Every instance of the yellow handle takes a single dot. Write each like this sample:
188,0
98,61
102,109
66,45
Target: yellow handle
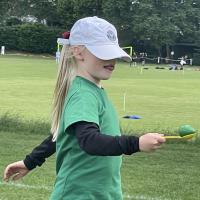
172,137
187,137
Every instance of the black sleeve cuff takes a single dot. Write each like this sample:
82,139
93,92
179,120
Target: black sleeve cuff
129,144
29,163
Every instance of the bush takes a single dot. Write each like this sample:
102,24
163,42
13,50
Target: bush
8,37
13,123
13,21
35,38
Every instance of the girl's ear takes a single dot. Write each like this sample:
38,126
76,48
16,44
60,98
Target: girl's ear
77,52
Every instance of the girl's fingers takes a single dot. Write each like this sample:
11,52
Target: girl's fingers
17,177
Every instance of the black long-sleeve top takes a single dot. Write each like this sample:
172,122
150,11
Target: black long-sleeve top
90,140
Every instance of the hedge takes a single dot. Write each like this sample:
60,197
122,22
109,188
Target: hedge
34,38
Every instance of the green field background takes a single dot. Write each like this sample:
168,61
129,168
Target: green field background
164,99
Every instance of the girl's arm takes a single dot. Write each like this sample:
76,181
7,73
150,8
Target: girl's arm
36,158
95,143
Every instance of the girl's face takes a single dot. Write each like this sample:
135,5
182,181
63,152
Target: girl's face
93,68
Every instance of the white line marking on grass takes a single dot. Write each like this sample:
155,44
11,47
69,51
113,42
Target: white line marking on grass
20,185
126,196
142,197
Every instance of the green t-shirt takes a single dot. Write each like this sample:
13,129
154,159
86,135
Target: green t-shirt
81,176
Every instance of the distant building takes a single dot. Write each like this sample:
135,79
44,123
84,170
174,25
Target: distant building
32,19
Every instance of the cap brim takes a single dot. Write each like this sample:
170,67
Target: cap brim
108,52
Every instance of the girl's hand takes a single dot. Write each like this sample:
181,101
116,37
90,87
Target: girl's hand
151,141
15,171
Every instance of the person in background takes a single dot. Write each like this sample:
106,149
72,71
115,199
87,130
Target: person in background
133,60
57,57
182,63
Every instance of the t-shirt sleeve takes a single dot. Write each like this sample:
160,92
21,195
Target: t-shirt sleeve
81,106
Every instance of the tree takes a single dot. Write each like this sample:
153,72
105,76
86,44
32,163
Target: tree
156,23
72,10
10,8
45,10
42,10
120,13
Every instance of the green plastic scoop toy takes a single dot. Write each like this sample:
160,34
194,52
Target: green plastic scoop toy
185,132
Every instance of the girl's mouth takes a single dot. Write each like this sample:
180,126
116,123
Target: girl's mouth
109,67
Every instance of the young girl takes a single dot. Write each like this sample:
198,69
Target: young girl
85,125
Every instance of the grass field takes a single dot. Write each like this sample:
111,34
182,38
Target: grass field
164,99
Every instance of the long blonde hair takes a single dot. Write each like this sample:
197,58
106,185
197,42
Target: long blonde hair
66,74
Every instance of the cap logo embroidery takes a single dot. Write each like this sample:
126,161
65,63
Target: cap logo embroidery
111,36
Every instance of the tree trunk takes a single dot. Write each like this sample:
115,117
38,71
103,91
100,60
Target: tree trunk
167,53
159,52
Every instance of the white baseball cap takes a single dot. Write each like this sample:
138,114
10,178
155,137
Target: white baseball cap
99,37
